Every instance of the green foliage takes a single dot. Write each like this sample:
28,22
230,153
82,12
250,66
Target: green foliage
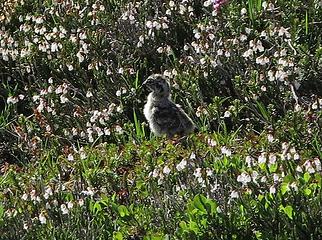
77,159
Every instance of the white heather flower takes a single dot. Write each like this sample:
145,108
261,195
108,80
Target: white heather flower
118,129
243,11
24,196
63,99
70,67
249,161
165,25
281,75
248,53
121,70
317,164
149,24
21,96
243,178
272,158
166,170
54,47
296,157
88,192
227,114
226,151
182,165
80,57
119,109
207,3
243,37
197,35
259,46
248,30
107,131
234,194
283,52
270,138
157,25
285,146
70,205
81,202
160,49
42,218
82,154
262,158
272,190
55,203
262,60
282,62
64,209
12,100
197,173
118,93
294,186
193,156
70,157
264,5
33,195
155,173
263,179
271,75
209,172
220,52
182,9
211,142
48,192
25,226
276,178
254,176
58,90
283,32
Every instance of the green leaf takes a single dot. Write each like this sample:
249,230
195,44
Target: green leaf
260,197
307,191
289,211
193,226
197,203
117,236
284,188
306,22
1,211
183,225
273,168
95,207
123,211
306,177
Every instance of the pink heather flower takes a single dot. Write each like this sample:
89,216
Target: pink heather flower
219,3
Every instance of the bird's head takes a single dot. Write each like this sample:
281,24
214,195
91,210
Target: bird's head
158,85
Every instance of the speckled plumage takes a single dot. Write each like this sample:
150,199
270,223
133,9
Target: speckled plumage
163,115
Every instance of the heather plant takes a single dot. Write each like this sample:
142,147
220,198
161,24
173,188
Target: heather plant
77,159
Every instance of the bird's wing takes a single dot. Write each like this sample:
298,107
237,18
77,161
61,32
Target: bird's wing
168,116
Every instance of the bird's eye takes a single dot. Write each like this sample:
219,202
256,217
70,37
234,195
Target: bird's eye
160,87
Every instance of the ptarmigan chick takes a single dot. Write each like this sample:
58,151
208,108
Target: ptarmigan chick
163,115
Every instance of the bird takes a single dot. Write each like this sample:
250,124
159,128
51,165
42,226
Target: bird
163,115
